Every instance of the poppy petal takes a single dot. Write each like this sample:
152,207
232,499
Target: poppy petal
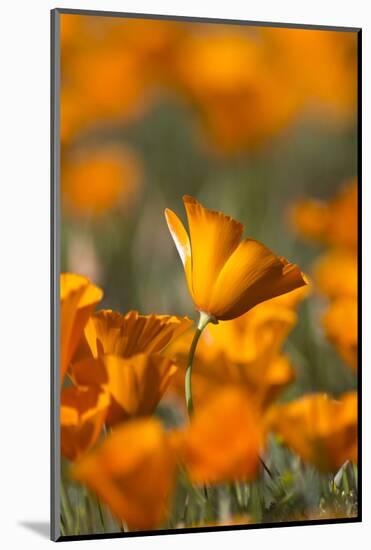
252,275
214,237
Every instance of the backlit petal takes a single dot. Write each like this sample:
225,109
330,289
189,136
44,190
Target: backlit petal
78,300
83,413
109,332
181,240
214,237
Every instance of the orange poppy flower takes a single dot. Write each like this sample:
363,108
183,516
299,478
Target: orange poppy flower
318,65
226,276
263,377
323,431
83,413
256,336
78,300
336,273
135,384
236,90
340,322
243,352
97,180
262,381
109,332
334,222
133,473
223,440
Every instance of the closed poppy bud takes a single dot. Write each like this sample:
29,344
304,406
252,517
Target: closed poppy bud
321,430
227,276
83,413
223,440
78,300
133,473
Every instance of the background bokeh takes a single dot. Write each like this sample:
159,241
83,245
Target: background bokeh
247,119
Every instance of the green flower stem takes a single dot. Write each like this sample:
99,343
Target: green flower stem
203,321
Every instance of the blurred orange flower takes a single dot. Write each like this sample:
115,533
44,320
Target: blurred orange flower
321,66
322,430
135,385
334,222
114,79
97,180
78,300
223,440
101,84
336,273
243,352
241,98
83,413
133,473
226,276
340,322
109,332
262,380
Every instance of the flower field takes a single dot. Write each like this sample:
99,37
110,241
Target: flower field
208,294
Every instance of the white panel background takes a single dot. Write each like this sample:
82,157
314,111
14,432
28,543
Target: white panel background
24,268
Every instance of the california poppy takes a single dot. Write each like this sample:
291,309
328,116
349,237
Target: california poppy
78,300
95,180
226,74
223,440
244,352
333,222
226,276
110,332
340,322
135,384
318,66
133,473
322,430
83,413
336,273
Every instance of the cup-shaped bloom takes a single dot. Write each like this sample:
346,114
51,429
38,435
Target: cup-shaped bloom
223,440
262,380
78,300
244,352
109,332
83,413
227,276
133,473
340,322
256,336
135,384
321,430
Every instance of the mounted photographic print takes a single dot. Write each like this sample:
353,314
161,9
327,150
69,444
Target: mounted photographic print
205,273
